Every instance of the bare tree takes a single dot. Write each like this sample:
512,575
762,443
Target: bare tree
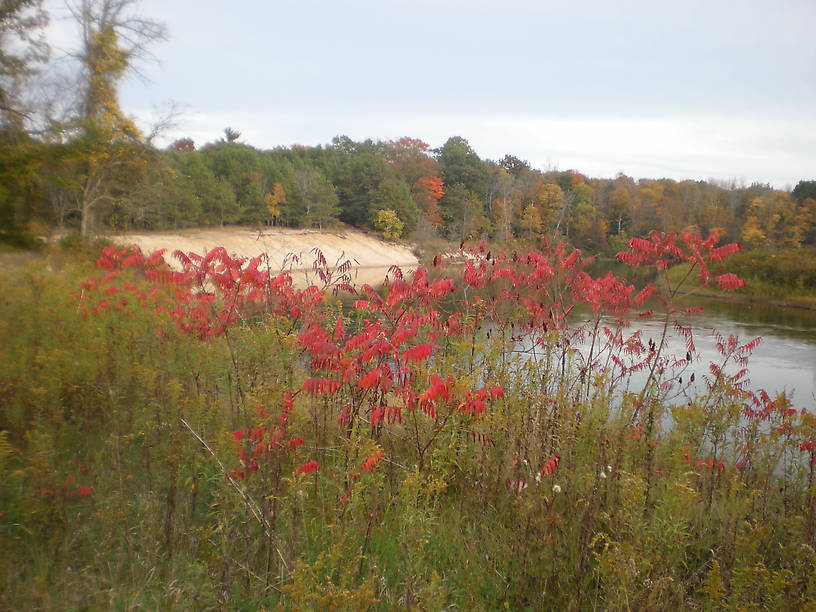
563,216
22,46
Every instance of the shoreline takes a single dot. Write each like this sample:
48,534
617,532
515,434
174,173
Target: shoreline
809,304
293,249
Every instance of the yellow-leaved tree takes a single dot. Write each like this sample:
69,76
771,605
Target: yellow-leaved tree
111,157
273,202
389,224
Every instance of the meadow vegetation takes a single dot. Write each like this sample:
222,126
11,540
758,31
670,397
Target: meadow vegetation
210,436
786,277
786,274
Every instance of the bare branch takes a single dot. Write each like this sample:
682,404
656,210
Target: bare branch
253,505
22,48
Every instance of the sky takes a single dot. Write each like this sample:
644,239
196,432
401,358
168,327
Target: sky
713,89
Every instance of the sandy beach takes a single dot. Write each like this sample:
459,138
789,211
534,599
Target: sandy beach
286,248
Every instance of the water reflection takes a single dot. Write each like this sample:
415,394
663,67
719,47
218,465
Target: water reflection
785,360
793,322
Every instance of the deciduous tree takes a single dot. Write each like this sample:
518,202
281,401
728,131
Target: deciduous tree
274,201
531,221
806,220
461,164
21,47
389,224
550,202
463,212
420,171
113,39
619,210
319,196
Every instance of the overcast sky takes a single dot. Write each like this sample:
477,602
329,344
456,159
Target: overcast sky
695,89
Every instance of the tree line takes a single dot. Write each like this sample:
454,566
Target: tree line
84,165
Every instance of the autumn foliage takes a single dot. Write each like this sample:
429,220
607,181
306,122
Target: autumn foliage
351,445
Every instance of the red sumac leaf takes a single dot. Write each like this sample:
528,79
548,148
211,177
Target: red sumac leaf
370,379
326,386
308,468
644,294
372,460
421,352
551,466
724,251
729,282
339,330
496,391
440,288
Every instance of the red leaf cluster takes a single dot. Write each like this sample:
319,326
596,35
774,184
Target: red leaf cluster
308,468
373,459
551,466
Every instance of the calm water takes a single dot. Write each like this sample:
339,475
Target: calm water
785,360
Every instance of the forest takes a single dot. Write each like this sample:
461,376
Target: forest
402,189
74,160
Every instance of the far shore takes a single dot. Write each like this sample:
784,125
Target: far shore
294,249
290,249
799,303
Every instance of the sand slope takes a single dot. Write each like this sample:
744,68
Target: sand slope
370,256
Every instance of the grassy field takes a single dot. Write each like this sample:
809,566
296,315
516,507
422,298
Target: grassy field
211,436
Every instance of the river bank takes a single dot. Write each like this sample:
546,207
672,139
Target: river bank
290,249
783,280
793,302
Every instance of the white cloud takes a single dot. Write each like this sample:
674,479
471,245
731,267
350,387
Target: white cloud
648,90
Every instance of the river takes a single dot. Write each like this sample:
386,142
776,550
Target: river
784,361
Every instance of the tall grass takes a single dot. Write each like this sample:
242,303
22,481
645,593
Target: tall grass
439,443
783,275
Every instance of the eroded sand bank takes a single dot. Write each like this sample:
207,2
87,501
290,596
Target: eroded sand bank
286,248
